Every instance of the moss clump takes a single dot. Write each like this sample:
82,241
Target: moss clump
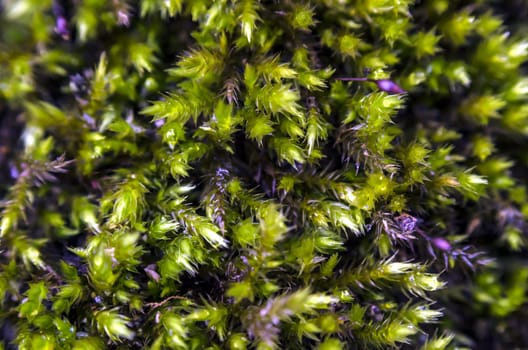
198,174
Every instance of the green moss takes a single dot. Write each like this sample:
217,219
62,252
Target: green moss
199,175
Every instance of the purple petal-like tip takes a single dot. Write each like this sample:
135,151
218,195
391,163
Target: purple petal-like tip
61,27
442,244
123,18
389,86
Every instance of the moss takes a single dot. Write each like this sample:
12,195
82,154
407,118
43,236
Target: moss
263,175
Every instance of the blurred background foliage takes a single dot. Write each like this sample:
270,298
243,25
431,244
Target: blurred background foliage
195,175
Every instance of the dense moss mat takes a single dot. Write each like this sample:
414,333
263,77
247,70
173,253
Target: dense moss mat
196,174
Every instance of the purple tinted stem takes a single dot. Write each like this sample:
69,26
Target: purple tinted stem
354,79
386,85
